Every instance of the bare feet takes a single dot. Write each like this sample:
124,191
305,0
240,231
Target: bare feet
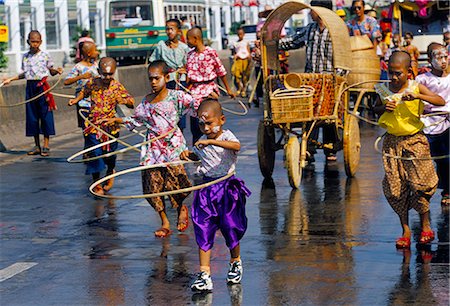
98,190
109,183
183,219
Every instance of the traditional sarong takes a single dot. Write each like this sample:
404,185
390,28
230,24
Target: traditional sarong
220,207
408,183
165,179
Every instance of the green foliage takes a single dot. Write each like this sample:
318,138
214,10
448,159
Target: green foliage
3,58
235,26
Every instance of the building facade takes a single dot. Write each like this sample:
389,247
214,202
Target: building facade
61,21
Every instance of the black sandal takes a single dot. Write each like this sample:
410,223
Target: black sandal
45,152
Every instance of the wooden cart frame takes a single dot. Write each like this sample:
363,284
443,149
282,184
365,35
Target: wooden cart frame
347,127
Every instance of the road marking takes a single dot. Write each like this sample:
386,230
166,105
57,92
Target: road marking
248,152
14,269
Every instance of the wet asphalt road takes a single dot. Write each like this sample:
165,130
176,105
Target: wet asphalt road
329,243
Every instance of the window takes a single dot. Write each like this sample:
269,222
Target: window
131,13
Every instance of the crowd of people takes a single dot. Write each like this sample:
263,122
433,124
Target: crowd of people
182,80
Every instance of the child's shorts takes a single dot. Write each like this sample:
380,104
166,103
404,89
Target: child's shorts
39,119
98,165
220,207
240,68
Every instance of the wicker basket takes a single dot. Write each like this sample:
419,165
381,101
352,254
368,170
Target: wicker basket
323,84
292,105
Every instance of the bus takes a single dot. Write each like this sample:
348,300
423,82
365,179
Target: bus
134,27
426,27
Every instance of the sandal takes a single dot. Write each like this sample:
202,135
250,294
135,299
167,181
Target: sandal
162,232
445,201
403,243
45,151
35,151
183,224
426,237
331,157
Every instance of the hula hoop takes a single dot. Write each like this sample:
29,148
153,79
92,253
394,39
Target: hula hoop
104,132
35,97
72,157
377,141
376,123
245,112
63,95
153,195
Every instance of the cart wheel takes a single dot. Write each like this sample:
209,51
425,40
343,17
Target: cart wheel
266,149
352,145
292,151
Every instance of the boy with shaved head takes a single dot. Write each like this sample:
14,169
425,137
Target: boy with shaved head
203,67
220,206
410,179
37,65
105,93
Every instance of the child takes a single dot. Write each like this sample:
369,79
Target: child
413,52
241,62
172,51
37,65
222,205
203,67
80,73
437,127
407,184
160,112
105,93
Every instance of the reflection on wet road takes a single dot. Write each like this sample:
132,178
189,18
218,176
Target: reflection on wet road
329,243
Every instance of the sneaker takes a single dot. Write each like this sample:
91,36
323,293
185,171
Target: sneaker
202,282
235,272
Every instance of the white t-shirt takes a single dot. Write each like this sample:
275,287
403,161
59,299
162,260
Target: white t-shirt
241,49
440,86
217,161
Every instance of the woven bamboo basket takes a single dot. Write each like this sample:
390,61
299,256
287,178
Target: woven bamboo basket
324,89
366,63
292,105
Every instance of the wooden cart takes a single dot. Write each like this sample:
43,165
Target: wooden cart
296,103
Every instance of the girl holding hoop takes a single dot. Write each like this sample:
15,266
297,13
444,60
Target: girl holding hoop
160,112
220,206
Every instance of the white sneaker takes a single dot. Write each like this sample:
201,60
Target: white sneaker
202,282
235,272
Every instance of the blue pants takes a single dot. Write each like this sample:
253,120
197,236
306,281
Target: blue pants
439,145
98,165
39,120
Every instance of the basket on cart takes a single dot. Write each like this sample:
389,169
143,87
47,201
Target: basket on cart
292,105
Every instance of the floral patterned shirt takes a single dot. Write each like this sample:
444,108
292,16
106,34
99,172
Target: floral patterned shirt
36,66
202,69
160,118
79,69
369,26
104,101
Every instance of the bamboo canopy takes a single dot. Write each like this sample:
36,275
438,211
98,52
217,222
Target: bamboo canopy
271,34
